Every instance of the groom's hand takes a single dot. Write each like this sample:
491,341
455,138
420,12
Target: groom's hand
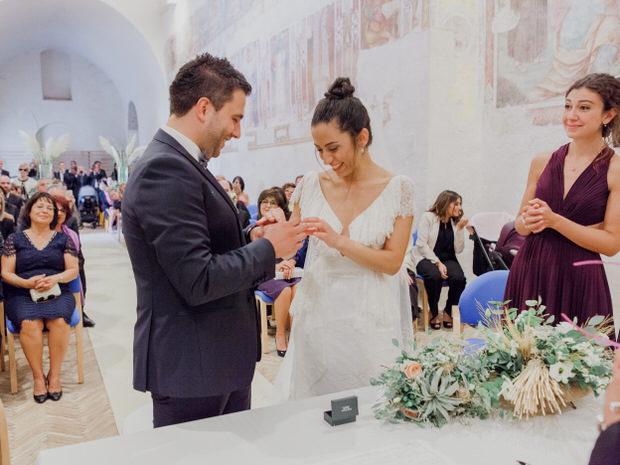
286,238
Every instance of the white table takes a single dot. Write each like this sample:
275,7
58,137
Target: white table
295,433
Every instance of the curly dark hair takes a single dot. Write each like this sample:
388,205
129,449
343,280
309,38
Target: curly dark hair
278,194
26,222
339,105
608,88
205,76
444,199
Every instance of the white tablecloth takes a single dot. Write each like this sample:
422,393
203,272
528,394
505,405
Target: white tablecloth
295,433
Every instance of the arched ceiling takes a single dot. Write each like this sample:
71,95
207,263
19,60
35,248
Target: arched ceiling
92,29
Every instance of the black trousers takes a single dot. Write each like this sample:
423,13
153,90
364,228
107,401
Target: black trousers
413,296
433,283
172,410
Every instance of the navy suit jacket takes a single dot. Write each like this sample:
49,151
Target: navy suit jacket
197,329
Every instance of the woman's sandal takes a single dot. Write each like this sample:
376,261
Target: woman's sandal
447,324
435,326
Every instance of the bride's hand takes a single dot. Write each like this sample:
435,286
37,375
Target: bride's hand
321,230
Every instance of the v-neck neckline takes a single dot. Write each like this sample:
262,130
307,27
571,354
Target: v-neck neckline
318,180
45,246
566,193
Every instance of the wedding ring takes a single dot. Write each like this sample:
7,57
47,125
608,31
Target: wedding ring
614,406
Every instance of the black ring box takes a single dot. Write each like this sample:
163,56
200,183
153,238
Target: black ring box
343,411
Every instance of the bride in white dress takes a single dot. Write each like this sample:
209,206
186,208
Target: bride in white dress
353,300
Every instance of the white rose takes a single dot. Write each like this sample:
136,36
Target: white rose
561,371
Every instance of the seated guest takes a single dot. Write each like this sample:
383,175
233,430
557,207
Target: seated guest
43,184
282,291
440,238
7,221
115,209
14,203
242,210
238,186
64,218
40,259
70,226
289,189
607,447
28,185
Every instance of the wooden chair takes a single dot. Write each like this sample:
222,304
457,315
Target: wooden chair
5,456
262,302
76,324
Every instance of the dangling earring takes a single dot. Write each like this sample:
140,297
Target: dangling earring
362,151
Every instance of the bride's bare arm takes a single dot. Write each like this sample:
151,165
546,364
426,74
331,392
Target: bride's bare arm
386,260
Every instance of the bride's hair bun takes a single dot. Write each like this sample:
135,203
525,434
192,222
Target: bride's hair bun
341,106
341,88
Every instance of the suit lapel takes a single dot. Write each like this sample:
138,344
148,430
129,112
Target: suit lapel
165,138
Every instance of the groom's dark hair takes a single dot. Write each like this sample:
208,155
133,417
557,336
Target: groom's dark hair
205,76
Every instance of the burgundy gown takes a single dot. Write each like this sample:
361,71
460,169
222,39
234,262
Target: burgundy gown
544,265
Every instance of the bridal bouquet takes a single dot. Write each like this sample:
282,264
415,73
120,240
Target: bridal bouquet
526,367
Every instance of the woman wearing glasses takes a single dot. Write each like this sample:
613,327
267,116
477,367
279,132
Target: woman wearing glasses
40,259
273,202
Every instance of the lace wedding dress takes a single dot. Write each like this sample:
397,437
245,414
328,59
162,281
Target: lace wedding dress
345,315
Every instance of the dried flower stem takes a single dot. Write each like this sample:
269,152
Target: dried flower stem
535,390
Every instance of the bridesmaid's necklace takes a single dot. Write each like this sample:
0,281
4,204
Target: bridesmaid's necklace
578,165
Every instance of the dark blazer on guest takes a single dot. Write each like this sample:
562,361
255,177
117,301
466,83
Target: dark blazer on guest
607,448
197,330
16,201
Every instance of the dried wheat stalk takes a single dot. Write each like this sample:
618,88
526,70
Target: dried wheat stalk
534,391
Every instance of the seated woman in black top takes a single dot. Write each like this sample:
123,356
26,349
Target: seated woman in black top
440,238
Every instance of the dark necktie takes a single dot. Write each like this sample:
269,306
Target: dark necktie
203,161
24,190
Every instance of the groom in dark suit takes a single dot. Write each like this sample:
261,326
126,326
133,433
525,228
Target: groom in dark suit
196,338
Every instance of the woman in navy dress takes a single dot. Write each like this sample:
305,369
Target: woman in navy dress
282,291
39,258
571,209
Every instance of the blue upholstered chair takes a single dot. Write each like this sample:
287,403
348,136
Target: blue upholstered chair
253,209
475,299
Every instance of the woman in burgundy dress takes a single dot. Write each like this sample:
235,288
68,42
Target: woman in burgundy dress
571,209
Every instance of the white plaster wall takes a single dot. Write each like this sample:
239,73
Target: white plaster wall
96,107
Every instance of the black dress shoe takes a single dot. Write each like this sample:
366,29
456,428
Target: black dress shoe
281,353
40,398
55,396
87,321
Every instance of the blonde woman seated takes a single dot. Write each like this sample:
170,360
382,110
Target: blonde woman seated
282,291
440,238
39,258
